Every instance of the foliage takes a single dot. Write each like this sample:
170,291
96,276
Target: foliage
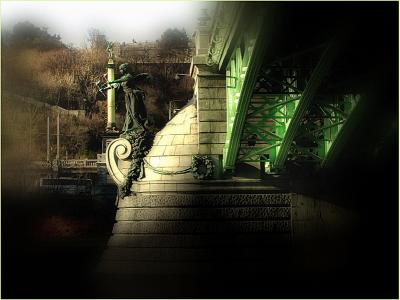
174,41
97,40
25,131
27,35
36,65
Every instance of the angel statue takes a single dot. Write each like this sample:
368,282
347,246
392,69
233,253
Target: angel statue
136,114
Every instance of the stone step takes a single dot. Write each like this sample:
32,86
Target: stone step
199,234
272,185
201,226
199,240
211,213
215,269
206,200
194,254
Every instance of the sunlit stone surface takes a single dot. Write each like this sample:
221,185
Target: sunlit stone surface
174,146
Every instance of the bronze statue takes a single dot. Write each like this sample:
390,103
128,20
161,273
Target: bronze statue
136,114
110,50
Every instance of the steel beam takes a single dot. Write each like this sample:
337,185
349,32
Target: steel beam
238,115
232,38
318,74
343,132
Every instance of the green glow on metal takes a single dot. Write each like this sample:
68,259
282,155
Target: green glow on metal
262,127
241,72
252,155
315,80
267,118
334,126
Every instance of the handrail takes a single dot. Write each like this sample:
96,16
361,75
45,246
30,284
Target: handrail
69,164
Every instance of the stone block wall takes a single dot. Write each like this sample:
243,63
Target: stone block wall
210,93
174,146
199,128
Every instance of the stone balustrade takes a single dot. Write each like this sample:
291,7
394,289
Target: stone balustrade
68,164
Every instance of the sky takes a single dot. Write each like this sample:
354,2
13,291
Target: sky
121,21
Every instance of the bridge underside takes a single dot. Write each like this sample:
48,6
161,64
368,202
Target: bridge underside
298,91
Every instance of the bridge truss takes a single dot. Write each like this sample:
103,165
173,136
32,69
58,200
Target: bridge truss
278,111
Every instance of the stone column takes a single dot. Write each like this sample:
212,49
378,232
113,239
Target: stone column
210,91
210,98
110,96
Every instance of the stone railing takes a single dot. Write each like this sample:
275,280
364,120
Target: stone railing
101,158
68,164
42,164
78,163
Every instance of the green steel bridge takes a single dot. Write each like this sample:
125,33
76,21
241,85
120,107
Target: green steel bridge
293,92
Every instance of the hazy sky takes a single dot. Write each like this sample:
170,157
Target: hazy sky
119,20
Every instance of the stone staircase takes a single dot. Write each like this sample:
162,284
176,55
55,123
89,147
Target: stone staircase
211,234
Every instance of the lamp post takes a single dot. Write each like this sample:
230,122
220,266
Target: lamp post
48,138
111,92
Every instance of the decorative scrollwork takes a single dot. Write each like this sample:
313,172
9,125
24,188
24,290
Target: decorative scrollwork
210,62
118,149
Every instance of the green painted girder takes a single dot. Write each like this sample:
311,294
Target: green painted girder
254,154
318,74
242,73
267,119
337,134
262,134
325,129
267,107
288,85
271,114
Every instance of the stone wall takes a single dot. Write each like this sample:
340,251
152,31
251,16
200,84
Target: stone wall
174,147
199,128
210,93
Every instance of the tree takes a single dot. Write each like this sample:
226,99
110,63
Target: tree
174,39
97,40
26,35
173,43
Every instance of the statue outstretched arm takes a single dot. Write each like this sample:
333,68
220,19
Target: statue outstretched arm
142,76
106,88
122,79
111,85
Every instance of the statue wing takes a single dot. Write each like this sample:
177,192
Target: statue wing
141,76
